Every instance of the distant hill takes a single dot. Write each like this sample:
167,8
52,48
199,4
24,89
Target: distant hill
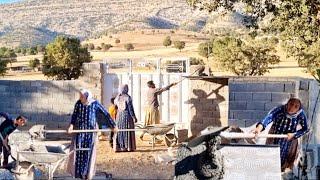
32,22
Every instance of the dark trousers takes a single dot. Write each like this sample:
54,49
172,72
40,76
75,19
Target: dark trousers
5,155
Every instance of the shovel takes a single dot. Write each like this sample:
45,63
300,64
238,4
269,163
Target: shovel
40,131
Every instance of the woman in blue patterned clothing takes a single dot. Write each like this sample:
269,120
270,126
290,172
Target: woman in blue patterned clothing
82,161
125,120
286,119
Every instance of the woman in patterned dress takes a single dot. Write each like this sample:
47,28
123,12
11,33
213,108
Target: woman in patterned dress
286,119
125,119
82,162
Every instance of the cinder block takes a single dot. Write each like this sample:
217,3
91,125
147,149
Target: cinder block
260,96
259,115
290,87
5,82
238,114
241,122
3,88
238,105
303,95
256,87
280,97
25,83
238,87
243,96
36,83
304,85
274,87
230,114
271,105
231,96
31,89
255,105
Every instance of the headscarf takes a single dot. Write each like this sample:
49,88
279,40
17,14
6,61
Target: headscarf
123,97
124,89
88,96
295,115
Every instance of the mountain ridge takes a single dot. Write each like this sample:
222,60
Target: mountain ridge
34,22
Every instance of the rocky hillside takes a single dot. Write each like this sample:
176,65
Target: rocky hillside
32,22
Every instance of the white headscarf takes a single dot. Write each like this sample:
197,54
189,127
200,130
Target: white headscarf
88,96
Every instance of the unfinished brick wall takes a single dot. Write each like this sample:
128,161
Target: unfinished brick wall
243,101
314,105
48,102
208,99
251,98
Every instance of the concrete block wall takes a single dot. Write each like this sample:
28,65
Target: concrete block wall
208,105
314,105
48,102
251,98
42,102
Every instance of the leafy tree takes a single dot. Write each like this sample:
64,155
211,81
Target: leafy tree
196,61
106,47
40,48
91,46
17,50
85,46
296,22
317,76
32,51
179,44
167,41
205,49
310,58
63,58
34,63
246,58
24,51
8,55
129,46
98,48
3,66
117,41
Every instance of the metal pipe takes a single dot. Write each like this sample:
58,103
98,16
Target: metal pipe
231,135
90,130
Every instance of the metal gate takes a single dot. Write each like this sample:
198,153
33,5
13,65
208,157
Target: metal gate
172,102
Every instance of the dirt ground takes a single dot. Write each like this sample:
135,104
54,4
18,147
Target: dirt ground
134,165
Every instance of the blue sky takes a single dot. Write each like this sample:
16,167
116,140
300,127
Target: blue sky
8,1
